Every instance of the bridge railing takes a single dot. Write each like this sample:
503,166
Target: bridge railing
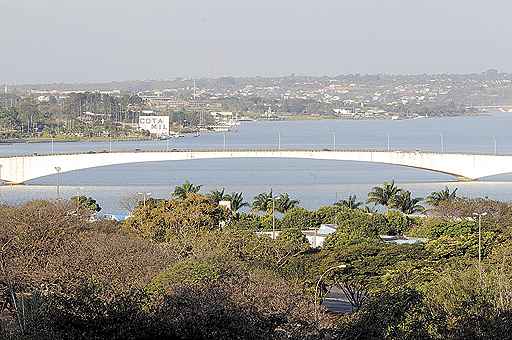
199,150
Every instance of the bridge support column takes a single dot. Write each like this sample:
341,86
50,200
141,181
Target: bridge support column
465,179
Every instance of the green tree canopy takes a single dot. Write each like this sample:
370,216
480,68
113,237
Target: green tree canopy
437,197
406,204
86,203
300,218
284,203
186,188
175,218
351,202
383,194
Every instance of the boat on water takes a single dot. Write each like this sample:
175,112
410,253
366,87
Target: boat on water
221,128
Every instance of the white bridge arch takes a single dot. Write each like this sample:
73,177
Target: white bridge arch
20,169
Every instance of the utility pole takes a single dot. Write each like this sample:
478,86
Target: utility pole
334,141
389,144
442,142
52,146
495,146
279,140
58,169
145,196
273,217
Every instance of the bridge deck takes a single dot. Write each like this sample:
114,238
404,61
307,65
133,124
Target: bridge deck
198,150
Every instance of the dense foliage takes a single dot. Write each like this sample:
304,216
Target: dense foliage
186,267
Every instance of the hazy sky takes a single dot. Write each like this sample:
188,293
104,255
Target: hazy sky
102,40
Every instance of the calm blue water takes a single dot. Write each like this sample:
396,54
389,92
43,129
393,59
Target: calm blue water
314,182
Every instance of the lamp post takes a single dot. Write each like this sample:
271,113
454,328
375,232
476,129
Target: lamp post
279,140
58,169
442,142
334,141
273,217
341,266
145,196
389,144
224,142
480,215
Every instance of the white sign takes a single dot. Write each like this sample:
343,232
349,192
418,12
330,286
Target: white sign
156,125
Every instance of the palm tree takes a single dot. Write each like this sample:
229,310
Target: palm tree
406,204
384,194
237,201
351,203
285,203
218,195
263,202
437,197
185,189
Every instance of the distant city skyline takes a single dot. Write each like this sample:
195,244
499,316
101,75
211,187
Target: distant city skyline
96,41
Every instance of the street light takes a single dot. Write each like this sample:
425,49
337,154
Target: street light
145,196
58,169
480,215
341,266
273,214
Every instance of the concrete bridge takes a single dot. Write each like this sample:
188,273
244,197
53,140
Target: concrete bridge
467,167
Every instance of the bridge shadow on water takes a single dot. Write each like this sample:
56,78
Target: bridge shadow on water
313,182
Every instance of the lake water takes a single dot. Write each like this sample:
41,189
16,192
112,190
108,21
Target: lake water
313,182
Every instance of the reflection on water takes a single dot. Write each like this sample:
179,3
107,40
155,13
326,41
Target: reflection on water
314,182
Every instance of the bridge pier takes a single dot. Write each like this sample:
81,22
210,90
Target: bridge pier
465,179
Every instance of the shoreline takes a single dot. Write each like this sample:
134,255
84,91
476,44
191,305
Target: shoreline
70,140
280,119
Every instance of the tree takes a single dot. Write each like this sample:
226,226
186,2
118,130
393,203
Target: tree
350,203
437,197
175,219
245,221
384,194
406,204
185,189
299,218
290,243
86,203
263,202
237,201
397,222
284,203
218,195
356,226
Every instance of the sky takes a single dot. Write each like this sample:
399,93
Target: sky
46,41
